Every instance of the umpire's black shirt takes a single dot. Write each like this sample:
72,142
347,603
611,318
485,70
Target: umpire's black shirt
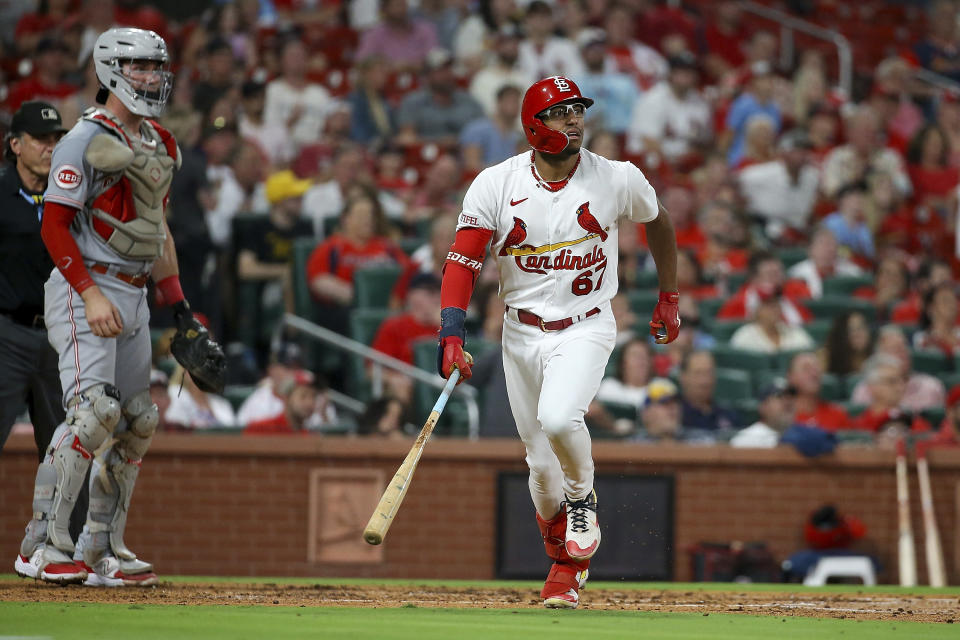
25,264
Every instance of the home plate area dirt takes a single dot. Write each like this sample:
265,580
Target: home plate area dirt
856,604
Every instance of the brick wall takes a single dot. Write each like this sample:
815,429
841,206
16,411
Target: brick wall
224,505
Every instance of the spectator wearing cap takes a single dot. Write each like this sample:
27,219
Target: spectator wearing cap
272,138
757,98
923,391
765,272
542,52
439,111
292,100
823,261
671,118
888,385
491,140
783,191
864,153
372,117
768,333
627,54
775,411
615,92
805,377
401,40
663,417
397,334
849,222
305,407
51,61
501,70
29,373
265,249
698,381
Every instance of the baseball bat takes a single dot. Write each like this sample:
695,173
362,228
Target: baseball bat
907,551
931,535
393,495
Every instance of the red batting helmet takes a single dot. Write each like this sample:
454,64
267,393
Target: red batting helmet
542,95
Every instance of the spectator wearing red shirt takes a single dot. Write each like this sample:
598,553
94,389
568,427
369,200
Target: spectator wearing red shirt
725,233
931,273
766,272
928,163
302,400
50,62
681,204
34,25
888,386
805,377
949,432
724,37
690,277
890,288
398,334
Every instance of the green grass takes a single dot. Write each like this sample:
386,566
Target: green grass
77,621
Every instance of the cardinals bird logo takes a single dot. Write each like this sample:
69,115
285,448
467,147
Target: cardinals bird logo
586,220
516,236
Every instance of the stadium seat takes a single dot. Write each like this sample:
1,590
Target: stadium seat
238,393
833,388
829,307
845,285
791,255
647,279
302,300
733,386
731,358
454,421
363,327
373,285
819,330
934,415
735,281
932,362
643,302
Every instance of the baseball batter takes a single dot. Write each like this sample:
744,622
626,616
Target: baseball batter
105,229
551,217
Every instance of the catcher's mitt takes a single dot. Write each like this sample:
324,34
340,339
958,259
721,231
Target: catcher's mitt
199,355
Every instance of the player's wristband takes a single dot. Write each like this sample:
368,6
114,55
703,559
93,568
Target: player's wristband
451,323
669,297
170,291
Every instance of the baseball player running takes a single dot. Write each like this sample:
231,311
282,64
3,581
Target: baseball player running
104,227
552,217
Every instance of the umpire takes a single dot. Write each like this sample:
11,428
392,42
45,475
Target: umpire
29,373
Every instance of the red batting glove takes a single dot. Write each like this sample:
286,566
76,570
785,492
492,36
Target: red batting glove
665,322
452,355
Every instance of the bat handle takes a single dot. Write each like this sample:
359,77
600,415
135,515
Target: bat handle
447,390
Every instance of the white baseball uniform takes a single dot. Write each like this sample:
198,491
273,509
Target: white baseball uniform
557,256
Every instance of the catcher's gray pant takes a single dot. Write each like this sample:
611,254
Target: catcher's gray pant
106,389
551,379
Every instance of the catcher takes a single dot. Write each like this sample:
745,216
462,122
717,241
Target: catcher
105,228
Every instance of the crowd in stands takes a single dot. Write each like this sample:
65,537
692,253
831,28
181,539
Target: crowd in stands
327,146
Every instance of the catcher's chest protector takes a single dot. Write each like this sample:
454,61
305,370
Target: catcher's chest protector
129,210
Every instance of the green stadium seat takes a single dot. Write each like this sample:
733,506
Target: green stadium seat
409,245
934,415
851,382
731,358
710,307
791,255
845,285
236,394
829,307
736,280
647,279
302,300
330,226
732,386
819,330
363,327
373,285
932,362
833,388
783,359
454,421
747,408
854,436
723,330
643,302
949,380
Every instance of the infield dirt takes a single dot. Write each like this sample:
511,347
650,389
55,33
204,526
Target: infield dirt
856,604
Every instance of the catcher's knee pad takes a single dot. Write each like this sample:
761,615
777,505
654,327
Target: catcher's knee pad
93,415
142,417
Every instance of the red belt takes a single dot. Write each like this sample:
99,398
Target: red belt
553,325
136,281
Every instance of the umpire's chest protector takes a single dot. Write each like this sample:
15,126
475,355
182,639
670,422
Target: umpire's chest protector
128,208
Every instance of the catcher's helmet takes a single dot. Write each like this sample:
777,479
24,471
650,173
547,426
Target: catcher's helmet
120,44
542,95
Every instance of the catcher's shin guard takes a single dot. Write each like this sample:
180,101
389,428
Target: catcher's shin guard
91,419
111,488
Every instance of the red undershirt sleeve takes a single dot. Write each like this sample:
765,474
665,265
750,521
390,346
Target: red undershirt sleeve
462,266
55,231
